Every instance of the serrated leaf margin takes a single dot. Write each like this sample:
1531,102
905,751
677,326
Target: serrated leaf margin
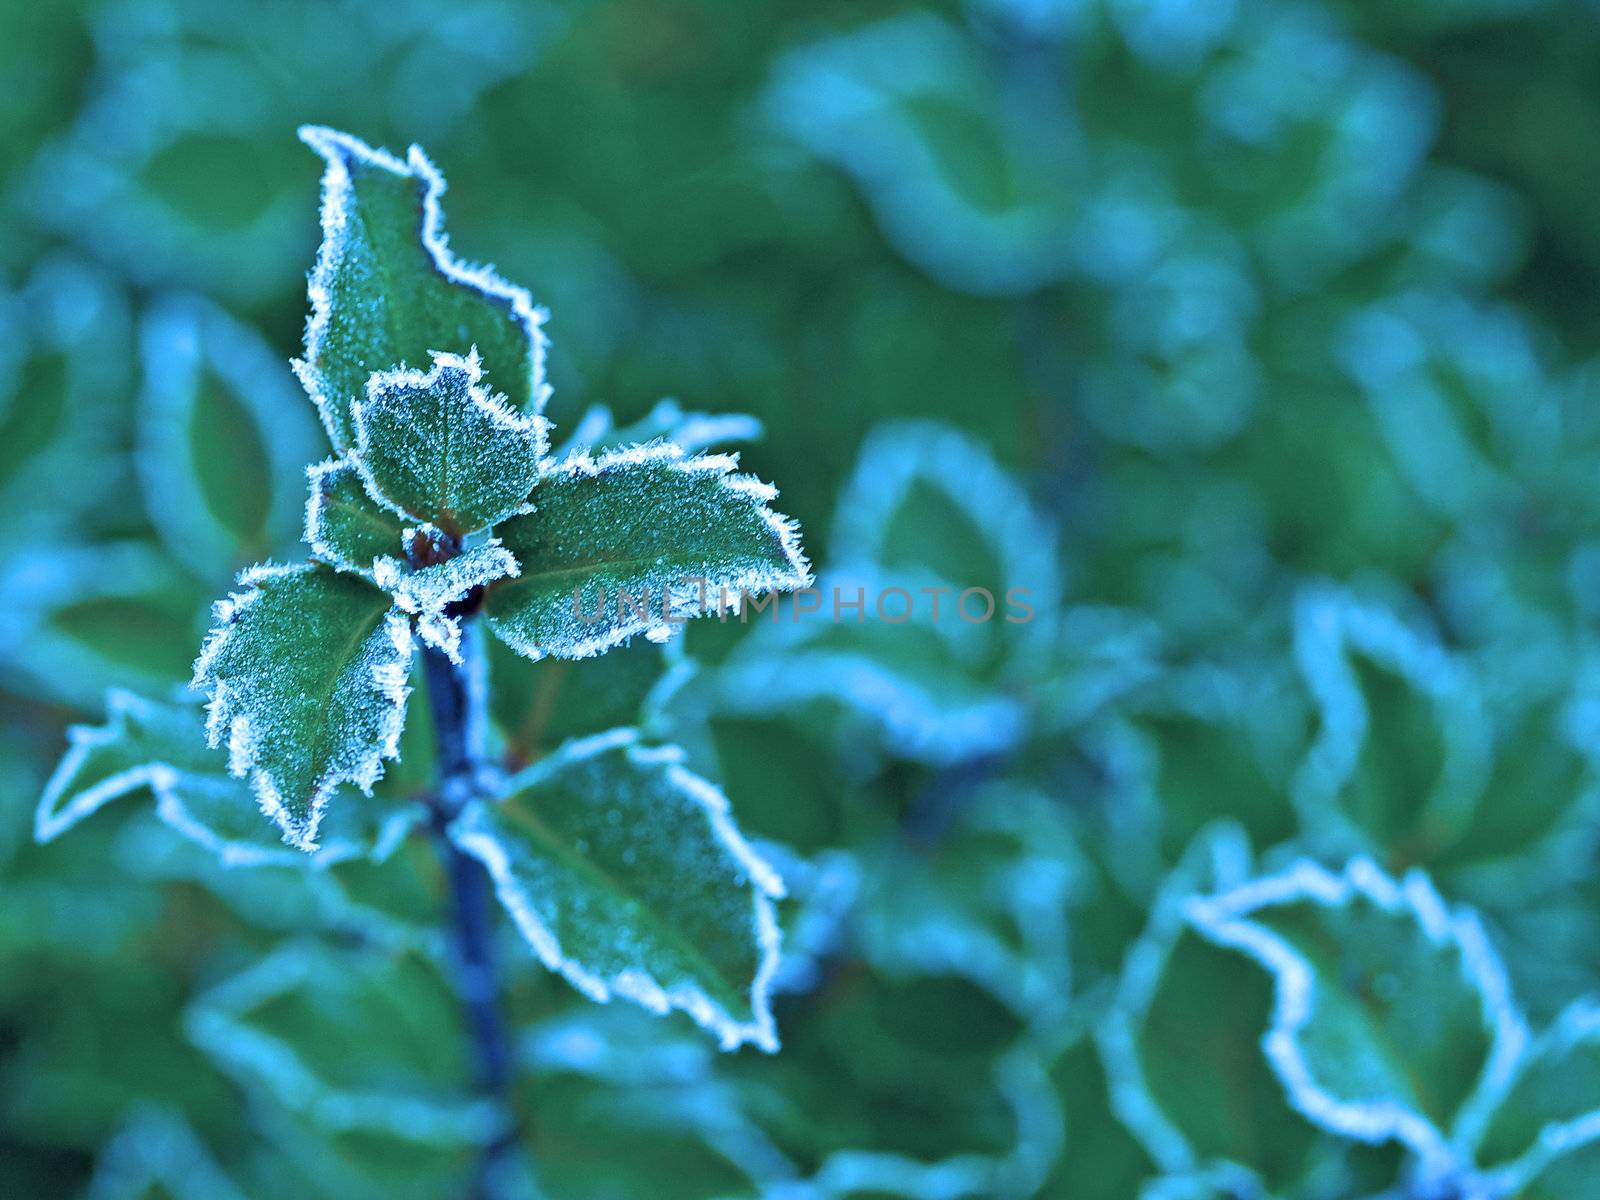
236,728
1224,920
632,984
333,145
582,465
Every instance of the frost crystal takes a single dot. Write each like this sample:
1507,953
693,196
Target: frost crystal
624,872
635,541
306,669
439,448
380,297
426,594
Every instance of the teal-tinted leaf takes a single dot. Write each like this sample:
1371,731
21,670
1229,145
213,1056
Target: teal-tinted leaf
625,874
1392,1017
156,1154
597,429
1184,1065
387,290
617,536
141,742
306,670
344,525
438,447
81,619
145,744
221,434
989,903
1543,1142
1402,750
351,1041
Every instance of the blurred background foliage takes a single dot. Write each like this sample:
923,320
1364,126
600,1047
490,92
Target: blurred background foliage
1259,341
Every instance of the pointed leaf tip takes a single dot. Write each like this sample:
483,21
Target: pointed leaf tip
387,290
306,673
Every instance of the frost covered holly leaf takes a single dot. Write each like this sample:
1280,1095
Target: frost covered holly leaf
387,290
1543,1142
1403,746
440,448
348,1040
1392,1018
625,874
1180,1064
306,670
345,526
146,744
221,433
648,522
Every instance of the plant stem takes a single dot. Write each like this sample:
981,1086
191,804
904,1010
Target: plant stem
451,698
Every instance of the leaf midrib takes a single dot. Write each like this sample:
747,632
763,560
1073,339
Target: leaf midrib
547,838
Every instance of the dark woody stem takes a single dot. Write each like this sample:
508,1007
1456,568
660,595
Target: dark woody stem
453,701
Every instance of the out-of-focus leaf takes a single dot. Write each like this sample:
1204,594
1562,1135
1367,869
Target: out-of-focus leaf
1392,1018
222,435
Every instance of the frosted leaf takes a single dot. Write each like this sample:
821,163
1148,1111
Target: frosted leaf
156,1153
266,1029
627,537
1176,1061
900,462
142,742
146,744
221,434
625,874
1343,793
692,432
438,447
427,594
385,292
306,670
876,101
1543,1142
345,526
1392,1017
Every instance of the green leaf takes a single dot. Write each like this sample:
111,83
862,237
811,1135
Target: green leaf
387,290
1544,1138
345,526
1393,1018
350,1040
306,670
221,434
616,535
439,448
1186,1073
145,744
626,875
